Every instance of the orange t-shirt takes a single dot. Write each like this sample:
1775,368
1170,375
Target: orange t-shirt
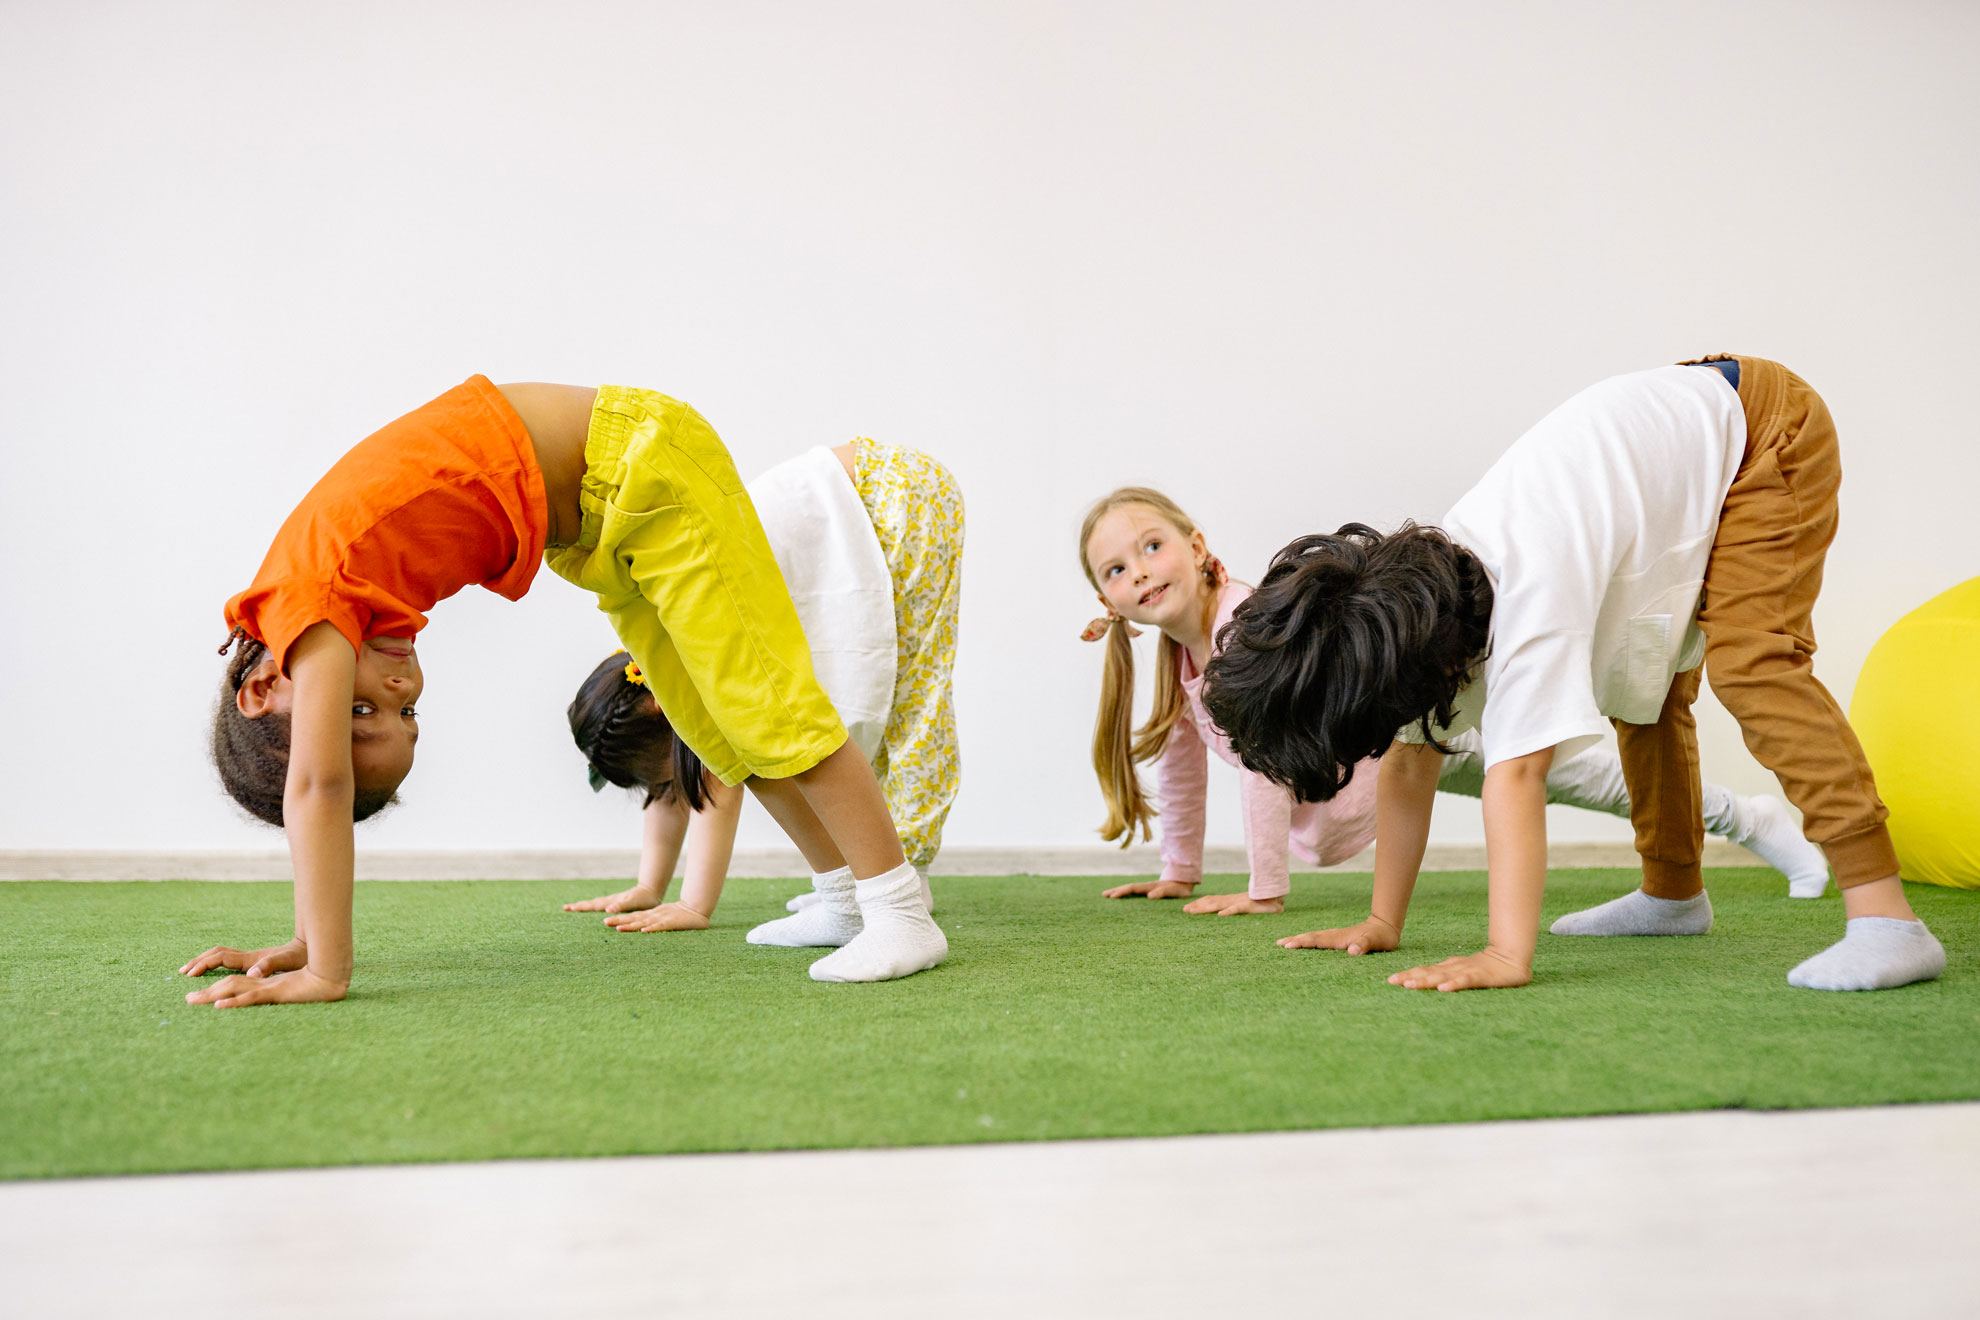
448,495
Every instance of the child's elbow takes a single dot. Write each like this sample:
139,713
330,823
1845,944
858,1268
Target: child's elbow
1414,762
309,789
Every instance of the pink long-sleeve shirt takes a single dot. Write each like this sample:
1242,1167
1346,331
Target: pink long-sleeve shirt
1320,832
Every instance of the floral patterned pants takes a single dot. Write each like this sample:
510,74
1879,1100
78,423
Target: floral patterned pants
917,512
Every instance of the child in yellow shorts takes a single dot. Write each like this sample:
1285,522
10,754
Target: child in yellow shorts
673,548
869,537
624,491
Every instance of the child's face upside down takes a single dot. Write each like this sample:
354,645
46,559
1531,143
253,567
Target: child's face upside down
384,723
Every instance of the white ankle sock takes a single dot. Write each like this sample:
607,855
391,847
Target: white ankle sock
1637,913
899,938
832,919
1875,953
1767,827
810,896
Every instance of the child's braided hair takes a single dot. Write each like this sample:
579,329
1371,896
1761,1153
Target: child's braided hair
252,755
628,742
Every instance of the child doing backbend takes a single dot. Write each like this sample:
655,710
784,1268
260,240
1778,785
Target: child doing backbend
869,538
1565,588
635,499
1151,566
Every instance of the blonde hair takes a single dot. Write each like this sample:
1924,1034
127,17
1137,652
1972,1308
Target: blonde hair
1117,745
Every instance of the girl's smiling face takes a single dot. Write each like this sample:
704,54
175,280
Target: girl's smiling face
1147,569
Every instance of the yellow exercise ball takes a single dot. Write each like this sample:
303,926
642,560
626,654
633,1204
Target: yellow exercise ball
1914,710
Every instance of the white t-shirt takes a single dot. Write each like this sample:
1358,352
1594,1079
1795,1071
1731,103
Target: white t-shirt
837,575
1595,528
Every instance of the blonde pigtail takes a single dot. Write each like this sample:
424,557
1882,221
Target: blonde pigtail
1114,744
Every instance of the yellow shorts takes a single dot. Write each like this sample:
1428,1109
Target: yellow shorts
672,547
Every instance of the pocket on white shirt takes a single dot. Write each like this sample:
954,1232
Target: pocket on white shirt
1646,668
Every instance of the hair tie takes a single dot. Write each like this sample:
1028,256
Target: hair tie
1213,569
635,675
1097,629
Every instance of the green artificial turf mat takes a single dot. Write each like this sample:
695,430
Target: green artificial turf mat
485,1023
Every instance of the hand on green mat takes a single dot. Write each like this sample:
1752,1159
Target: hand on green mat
1235,905
1371,936
626,900
668,916
1488,969
1152,889
297,987
255,962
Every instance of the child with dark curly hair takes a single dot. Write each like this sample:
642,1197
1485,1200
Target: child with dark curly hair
1150,565
1653,523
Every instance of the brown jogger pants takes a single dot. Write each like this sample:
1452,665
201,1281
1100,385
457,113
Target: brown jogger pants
1760,589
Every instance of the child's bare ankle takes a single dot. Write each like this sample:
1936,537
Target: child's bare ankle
1878,898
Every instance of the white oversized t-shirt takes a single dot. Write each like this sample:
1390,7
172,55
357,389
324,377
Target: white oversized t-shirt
823,540
1596,527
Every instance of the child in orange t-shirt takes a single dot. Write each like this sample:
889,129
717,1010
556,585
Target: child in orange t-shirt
317,723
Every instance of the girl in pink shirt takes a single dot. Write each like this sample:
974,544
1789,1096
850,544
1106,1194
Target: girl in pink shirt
1151,566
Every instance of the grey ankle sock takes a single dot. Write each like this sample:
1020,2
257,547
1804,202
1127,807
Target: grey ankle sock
1636,913
1875,953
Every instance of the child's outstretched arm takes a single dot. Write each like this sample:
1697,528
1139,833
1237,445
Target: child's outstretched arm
711,842
316,809
663,827
1181,778
1405,794
1268,810
1516,859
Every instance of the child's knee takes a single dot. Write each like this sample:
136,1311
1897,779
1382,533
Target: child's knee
1741,662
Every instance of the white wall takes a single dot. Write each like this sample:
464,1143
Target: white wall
1295,263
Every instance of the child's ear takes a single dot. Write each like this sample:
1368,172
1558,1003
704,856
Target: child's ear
255,696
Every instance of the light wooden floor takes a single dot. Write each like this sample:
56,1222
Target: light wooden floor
1858,1213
